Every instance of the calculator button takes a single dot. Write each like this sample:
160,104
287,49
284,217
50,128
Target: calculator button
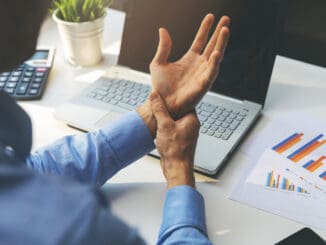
9,90
41,69
11,85
3,79
16,73
39,74
28,74
5,74
14,79
38,80
30,69
22,88
26,79
36,85
33,91
2,84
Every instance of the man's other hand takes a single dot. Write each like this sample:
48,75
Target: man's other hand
176,142
183,83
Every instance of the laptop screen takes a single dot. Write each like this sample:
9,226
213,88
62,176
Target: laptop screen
248,63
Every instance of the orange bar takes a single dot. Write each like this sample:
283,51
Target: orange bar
310,149
316,164
289,144
271,180
287,185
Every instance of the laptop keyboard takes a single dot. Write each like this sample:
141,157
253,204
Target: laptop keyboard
123,93
215,121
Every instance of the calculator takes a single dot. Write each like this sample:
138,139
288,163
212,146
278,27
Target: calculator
27,82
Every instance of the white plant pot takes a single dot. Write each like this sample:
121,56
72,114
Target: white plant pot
82,42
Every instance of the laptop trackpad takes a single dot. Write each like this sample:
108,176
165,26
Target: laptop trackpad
109,117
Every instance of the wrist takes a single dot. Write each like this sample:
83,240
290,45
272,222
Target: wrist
145,112
179,173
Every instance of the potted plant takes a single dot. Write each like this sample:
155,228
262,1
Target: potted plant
80,24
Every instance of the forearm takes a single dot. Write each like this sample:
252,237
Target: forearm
97,156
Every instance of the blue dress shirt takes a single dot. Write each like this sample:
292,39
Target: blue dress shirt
57,199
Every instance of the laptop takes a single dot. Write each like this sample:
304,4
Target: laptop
236,98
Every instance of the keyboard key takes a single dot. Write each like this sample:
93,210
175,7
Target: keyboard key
205,113
2,84
99,97
214,127
221,118
225,114
5,74
210,120
39,74
221,130
210,132
243,114
234,125
225,125
203,130
239,118
233,116
207,126
217,135
228,110
208,109
229,120
218,123
202,118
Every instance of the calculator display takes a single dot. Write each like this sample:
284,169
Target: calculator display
40,55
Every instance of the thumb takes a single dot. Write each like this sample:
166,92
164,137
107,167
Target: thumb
164,47
160,111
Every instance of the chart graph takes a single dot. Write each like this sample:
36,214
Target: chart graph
278,182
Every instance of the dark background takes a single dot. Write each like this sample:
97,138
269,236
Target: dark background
304,36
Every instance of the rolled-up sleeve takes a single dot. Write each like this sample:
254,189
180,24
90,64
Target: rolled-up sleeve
95,157
184,219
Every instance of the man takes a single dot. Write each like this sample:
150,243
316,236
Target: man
59,201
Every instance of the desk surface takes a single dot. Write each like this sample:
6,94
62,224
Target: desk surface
295,87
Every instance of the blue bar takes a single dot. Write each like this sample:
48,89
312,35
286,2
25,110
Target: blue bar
284,141
269,175
305,146
308,163
284,184
322,175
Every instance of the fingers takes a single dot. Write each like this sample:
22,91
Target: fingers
160,111
224,21
222,41
164,47
217,56
202,34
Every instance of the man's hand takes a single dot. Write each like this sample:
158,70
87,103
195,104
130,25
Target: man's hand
176,142
183,83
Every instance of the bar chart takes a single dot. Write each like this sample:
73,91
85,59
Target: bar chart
278,182
303,151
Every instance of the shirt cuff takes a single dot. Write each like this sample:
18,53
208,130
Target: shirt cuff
129,138
184,207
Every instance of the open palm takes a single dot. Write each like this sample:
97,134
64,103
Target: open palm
183,83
